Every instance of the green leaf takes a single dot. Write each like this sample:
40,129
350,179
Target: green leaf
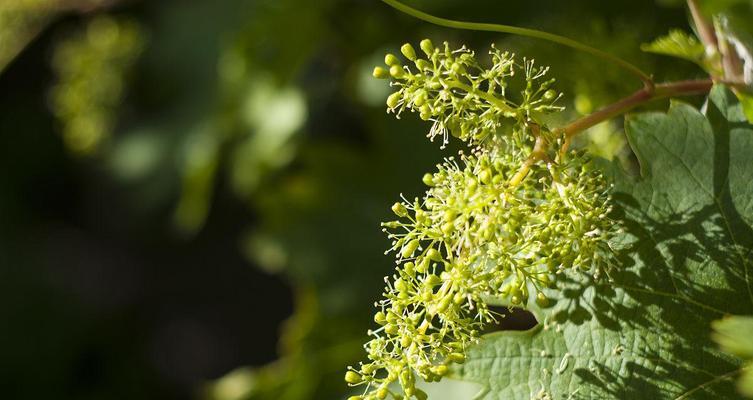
745,384
747,102
678,44
683,261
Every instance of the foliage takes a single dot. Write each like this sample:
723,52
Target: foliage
236,130
679,44
424,330
91,67
682,263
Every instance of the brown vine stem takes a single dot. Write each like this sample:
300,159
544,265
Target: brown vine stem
646,94
705,29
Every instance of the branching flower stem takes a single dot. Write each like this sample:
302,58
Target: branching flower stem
538,154
501,104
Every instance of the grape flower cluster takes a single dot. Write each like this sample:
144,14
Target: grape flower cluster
501,221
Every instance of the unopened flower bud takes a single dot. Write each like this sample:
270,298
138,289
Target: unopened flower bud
391,60
380,73
427,46
397,71
408,51
394,99
352,377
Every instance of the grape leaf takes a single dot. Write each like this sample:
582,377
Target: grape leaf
678,44
747,103
684,260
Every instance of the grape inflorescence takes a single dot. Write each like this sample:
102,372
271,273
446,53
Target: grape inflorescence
501,221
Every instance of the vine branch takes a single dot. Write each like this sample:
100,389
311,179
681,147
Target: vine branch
659,91
705,28
565,41
642,96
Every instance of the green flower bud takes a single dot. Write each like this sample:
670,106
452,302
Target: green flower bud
433,254
444,304
368,369
391,224
457,357
352,377
380,318
428,179
400,210
550,94
410,269
422,64
394,99
458,69
425,112
420,394
441,370
427,46
459,298
410,248
391,329
471,184
432,280
485,176
355,398
397,71
391,317
515,295
542,300
420,98
408,51
391,60
380,73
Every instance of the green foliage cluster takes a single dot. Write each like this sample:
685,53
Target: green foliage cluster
91,66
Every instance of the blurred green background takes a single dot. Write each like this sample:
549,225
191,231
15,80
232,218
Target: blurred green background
191,191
